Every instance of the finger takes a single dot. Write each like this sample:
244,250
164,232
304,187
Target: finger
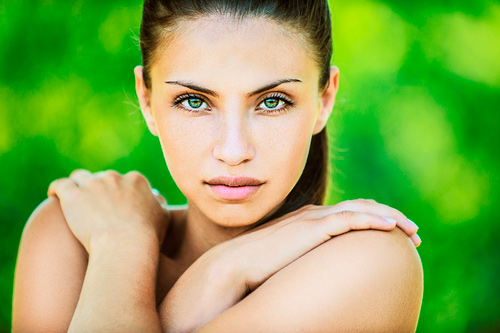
306,234
416,240
372,207
111,178
344,221
80,176
135,178
107,174
99,174
61,186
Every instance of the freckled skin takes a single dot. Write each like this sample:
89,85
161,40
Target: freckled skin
230,134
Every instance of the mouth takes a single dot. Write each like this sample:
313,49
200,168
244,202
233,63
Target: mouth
234,188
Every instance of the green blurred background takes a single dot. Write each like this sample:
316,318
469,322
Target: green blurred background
415,126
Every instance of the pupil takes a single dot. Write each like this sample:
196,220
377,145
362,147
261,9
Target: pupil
194,102
271,102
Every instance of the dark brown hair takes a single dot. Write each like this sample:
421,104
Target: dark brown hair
307,18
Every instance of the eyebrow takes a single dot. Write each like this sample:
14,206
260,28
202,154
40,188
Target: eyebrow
271,85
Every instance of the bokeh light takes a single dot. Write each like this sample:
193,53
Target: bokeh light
415,126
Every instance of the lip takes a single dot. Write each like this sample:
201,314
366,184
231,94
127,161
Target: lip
234,188
234,181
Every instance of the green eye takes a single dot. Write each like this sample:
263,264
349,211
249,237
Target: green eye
191,103
275,104
271,103
195,103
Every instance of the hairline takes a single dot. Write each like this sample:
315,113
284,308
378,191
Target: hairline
183,25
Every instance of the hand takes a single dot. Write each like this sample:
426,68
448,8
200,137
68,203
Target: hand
225,274
266,249
107,203
368,206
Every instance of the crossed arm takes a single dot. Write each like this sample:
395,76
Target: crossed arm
363,280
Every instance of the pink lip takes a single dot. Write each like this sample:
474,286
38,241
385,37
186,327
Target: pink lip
234,188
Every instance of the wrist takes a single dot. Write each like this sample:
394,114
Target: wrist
211,285
226,271
139,240
120,281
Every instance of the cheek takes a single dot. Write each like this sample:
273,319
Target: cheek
281,144
285,146
184,143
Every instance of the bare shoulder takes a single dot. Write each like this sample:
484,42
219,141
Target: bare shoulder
374,249
46,217
360,281
50,268
375,275
47,227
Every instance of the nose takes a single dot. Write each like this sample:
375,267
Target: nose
234,145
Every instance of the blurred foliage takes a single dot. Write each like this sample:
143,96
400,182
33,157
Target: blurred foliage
415,126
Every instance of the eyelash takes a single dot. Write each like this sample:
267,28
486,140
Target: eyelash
288,103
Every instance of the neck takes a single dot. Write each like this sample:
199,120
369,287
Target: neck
192,233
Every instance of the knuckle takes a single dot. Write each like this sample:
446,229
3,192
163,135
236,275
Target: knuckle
354,204
111,175
135,177
55,182
133,174
64,188
77,172
346,214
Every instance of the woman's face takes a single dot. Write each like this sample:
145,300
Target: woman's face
233,100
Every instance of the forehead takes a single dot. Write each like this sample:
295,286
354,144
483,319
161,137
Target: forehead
220,48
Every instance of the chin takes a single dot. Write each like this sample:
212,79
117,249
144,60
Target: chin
241,215
235,215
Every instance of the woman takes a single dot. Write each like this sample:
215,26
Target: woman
239,93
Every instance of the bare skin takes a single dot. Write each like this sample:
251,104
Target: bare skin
62,272
207,267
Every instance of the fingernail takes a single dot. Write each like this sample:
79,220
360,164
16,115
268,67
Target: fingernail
416,239
391,221
416,226
155,191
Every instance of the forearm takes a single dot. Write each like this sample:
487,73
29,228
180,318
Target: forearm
205,290
118,292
